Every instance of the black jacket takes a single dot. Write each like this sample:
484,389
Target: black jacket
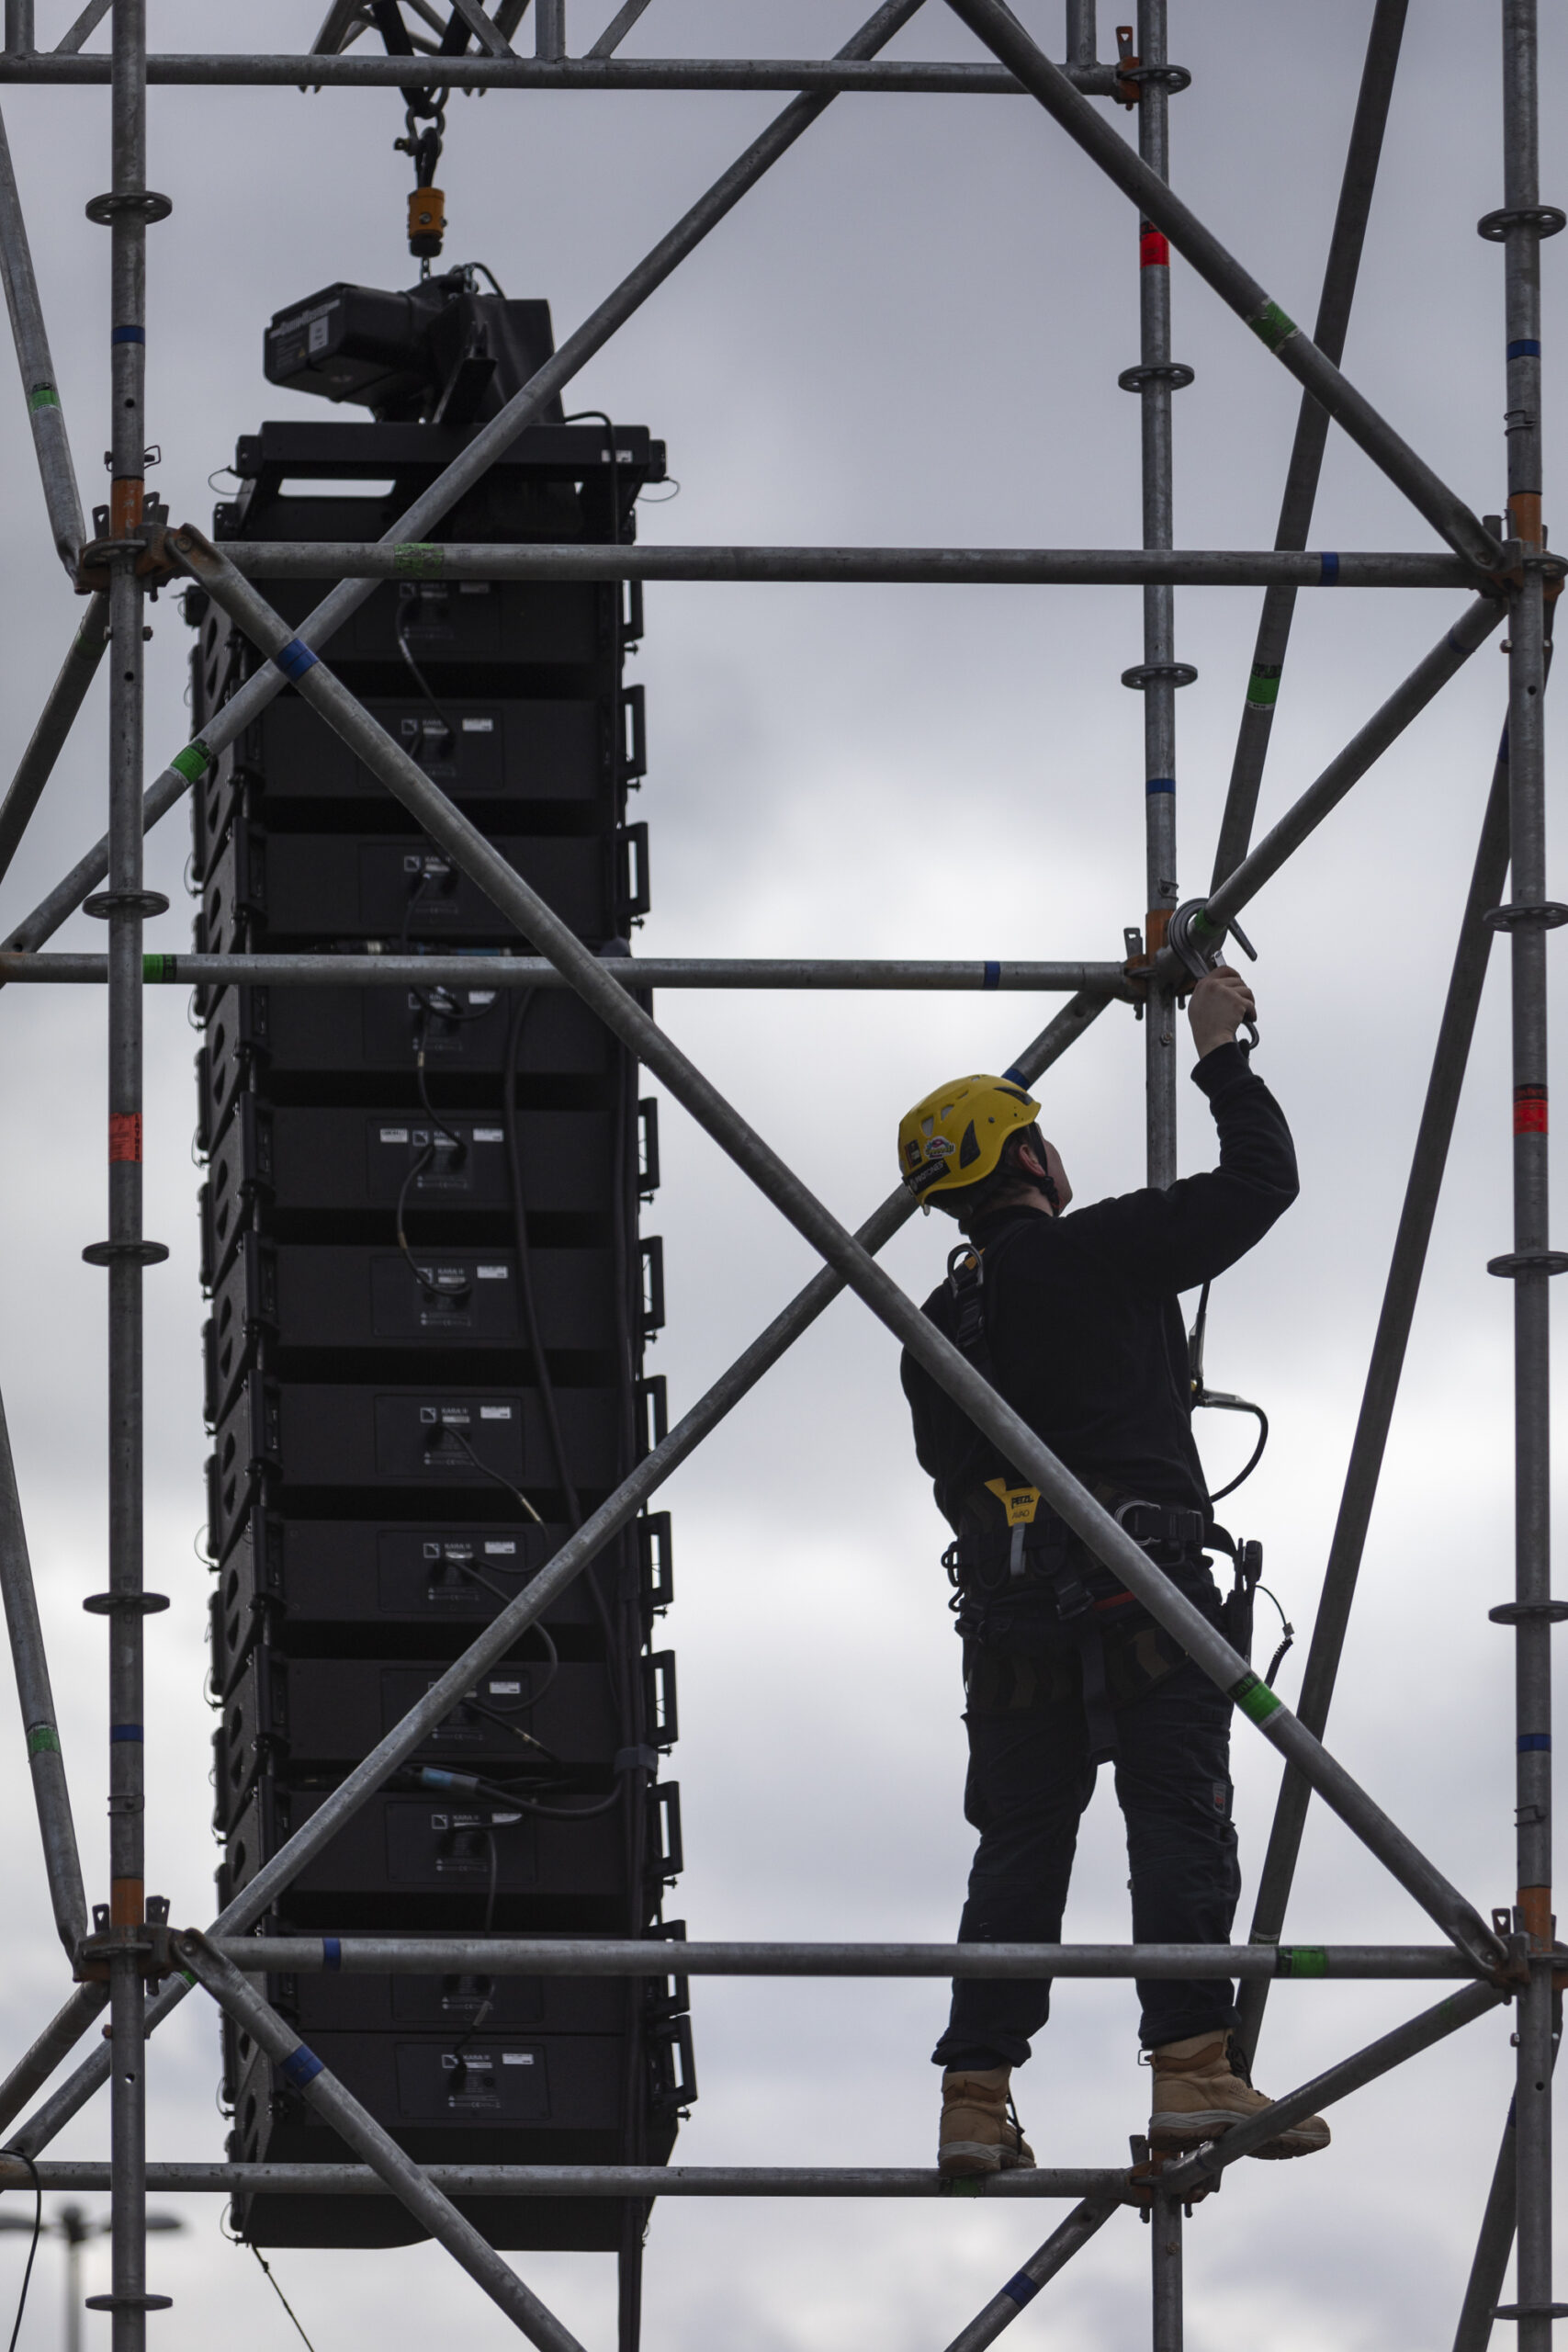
1086,1335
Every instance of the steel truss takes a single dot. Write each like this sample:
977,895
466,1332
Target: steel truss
1503,562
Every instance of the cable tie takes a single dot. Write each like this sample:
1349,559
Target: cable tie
636,1759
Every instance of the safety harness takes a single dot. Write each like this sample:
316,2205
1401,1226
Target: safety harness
1010,1539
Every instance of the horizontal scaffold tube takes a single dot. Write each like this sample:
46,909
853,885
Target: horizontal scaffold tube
1006,567
533,972
573,2180
610,1956
1110,1544
829,77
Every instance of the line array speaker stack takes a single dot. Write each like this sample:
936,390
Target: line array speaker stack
430,1297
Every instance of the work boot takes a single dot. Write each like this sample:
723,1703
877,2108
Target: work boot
981,2129
1201,2090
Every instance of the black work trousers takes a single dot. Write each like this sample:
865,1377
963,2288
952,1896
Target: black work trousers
1028,1782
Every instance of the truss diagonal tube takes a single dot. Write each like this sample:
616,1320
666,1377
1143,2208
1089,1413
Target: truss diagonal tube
992,22
36,1699
1489,2264
55,721
53,2045
304,2072
485,867
472,463
1428,1160
1026,2281
1380,2057
1432,673
1305,465
47,417
574,1556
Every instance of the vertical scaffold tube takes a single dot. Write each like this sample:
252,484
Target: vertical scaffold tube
1159,671
1165,2256
124,1252
1520,227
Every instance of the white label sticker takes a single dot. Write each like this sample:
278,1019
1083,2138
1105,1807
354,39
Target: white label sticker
482,996
473,587
516,2057
506,1689
495,1412
489,1134
394,1134
317,336
490,1273
479,726
507,1551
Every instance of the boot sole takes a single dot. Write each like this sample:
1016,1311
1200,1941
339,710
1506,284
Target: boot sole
969,2159
1171,2136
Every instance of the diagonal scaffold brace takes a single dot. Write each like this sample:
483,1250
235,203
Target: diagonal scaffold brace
577,1554
300,2069
487,444
993,24
489,871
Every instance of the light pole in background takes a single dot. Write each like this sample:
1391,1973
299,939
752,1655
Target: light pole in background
76,2228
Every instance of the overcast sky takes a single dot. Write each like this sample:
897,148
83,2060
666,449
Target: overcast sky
909,332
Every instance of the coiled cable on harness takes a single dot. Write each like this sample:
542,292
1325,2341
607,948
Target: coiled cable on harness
1202,1396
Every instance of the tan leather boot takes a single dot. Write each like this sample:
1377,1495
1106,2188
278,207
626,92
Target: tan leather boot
1200,2091
981,2129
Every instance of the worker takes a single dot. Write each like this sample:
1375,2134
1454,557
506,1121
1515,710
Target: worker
1075,1320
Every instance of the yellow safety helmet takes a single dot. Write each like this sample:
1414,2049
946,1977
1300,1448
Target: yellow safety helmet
954,1137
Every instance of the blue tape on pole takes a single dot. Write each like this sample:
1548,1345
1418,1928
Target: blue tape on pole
1021,2289
301,2066
1525,350
1160,784
1328,570
139,334
993,975
126,1731
1015,1076
1531,1742
294,658
331,1952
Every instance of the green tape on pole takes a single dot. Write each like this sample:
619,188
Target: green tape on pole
193,762
157,967
43,396
1273,326
43,1740
1263,685
1304,1960
1254,1698
417,560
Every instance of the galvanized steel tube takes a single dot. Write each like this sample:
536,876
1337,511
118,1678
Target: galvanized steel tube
484,865
50,443
1311,430
35,1697
1521,227
492,438
1428,1163
995,24
1029,2277
304,2072
55,721
613,1513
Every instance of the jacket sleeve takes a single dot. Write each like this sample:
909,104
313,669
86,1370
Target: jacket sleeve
1169,1241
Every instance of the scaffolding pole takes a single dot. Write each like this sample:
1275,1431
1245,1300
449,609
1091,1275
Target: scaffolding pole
1305,466
1531,1261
